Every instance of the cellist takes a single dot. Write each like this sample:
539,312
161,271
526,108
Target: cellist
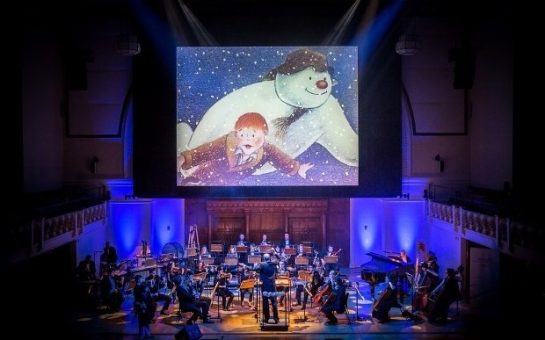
334,301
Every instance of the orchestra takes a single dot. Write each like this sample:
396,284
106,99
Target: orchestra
272,271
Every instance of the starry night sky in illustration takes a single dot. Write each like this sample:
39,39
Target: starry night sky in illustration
206,74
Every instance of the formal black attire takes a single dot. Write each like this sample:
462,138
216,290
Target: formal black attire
267,276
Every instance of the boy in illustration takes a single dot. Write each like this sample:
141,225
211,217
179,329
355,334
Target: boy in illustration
235,156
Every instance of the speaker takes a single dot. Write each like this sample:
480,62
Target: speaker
189,332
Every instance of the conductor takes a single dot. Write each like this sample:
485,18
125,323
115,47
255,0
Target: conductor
267,276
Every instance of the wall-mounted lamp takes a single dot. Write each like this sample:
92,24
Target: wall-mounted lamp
441,162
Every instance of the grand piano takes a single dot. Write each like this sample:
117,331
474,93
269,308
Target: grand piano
380,266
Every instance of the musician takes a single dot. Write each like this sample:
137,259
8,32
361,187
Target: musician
267,273
432,268
328,267
442,296
144,307
110,253
110,294
243,257
279,254
382,305
300,255
158,289
86,270
304,288
286,243
189,302
335,301
283,271
201,268
204,252
403,257
222,279
246,274
264,241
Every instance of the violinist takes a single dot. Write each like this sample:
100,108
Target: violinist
330,266
334,301
283,271
246,274
226,295
308,288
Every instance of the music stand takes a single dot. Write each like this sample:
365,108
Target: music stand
301,261
191,252
231,261
216,248
242,249
208,260
290,251
254,259
307,249
331,259
265,248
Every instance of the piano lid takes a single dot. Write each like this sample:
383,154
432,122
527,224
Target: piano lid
381,264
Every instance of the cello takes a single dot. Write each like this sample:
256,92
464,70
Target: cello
324,290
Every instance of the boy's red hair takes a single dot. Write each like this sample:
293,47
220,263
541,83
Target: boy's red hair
252,120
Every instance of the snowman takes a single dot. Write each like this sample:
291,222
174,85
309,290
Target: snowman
295,99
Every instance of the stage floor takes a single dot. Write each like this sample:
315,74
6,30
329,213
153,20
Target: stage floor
241,322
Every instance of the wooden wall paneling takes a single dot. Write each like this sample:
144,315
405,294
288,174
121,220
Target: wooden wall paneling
306,229
228,228
338,227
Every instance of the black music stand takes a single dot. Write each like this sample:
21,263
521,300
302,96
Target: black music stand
218,317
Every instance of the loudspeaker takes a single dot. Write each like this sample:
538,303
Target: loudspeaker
189,332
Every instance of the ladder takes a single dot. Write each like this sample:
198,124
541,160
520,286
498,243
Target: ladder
193,244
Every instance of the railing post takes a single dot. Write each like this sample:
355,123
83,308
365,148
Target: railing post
508,233
497,221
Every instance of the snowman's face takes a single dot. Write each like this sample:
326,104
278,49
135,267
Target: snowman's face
307,88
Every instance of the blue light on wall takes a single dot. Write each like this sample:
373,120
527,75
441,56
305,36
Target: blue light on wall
366,223
167,224
130,225
404,224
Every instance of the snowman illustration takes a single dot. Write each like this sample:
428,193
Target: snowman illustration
296,100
